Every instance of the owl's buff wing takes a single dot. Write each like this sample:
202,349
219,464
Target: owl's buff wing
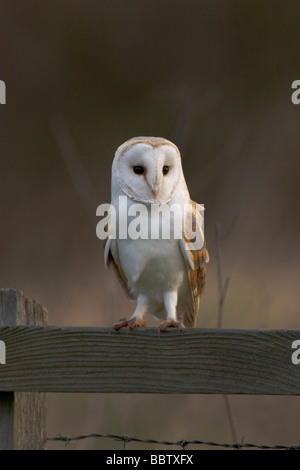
196,260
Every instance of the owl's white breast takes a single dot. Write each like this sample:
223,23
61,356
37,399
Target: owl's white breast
152,267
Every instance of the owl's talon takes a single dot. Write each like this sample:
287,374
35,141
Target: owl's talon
122,323
170,324
132,324
136,323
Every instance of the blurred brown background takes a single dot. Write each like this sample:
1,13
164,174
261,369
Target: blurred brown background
215,78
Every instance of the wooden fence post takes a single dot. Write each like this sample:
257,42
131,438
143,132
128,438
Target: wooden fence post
22,414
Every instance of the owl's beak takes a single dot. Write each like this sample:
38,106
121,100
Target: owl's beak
155,191
154,187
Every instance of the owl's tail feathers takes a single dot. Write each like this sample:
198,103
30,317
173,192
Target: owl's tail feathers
189,318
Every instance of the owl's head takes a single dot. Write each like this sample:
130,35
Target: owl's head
148,169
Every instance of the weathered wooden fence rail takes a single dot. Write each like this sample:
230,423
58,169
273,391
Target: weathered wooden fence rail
83,359
53,359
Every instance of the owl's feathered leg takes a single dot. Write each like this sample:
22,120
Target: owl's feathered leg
170,301
136,320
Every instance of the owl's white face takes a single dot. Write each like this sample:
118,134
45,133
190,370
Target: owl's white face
148,169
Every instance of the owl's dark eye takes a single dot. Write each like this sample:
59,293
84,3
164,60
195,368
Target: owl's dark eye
165,170
139,170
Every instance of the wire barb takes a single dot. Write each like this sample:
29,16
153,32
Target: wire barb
183,443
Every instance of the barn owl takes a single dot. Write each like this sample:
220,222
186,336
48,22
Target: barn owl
165,276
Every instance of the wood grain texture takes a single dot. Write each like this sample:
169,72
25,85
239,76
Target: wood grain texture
22,414
83,359
30,416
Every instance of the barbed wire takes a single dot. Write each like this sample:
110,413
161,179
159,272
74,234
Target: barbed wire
183,443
